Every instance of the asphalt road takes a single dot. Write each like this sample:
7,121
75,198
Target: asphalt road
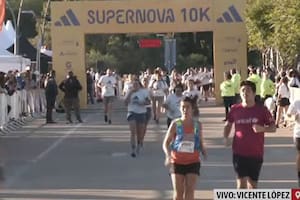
92,161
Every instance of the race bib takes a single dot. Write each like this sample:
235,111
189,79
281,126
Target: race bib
186,147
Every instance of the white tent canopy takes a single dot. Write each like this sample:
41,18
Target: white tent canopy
12,62
5,53
9,61
7,35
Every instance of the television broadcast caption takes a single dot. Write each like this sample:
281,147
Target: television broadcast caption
256,194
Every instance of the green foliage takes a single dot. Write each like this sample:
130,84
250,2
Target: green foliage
254,58
286,22
274,24
29,17
117,51
192,60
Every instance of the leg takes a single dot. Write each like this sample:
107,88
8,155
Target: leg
278,116
241,183
297,143
226,106
140,134
76,107
241,165
285,108
105,104
252,184
253,172
190,184
50,106
298,166
158,108
178,186
68,107
109,108
133,133
154,101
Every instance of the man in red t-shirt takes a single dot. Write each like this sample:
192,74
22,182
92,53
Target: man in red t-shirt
251,121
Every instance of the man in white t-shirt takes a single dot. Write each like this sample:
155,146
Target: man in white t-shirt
294,109
107,83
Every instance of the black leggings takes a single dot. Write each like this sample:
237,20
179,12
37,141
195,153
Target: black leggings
228,102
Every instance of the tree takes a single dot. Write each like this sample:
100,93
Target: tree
28,18
286,23
274,25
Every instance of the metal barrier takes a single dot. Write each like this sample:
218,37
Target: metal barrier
3,111
17,108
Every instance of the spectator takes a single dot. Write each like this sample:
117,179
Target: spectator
71,87
51,93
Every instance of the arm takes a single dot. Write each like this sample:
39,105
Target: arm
271,128
167,141
269,124
100,83
203,148
226,132
128,96
62,86
79,87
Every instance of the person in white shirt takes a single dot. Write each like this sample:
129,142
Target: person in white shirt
136,101
294,110
175,79
172,104
283,101
148,92
128,84
191,90
107,83
205,78
159,89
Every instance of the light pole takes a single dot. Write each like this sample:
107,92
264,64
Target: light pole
17,27
40,42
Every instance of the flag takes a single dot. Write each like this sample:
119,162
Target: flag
2,13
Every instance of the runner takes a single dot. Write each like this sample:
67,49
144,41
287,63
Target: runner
251,121
148,106
136,100
294,109
172,104
184,136
108,84
159,89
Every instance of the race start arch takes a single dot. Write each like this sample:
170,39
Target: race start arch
72,20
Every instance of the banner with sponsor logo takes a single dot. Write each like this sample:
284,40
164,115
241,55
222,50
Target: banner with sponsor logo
230,40
72,20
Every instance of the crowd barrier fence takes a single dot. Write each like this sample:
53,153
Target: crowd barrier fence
21,106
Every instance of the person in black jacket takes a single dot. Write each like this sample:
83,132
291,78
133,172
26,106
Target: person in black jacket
51,93
71,87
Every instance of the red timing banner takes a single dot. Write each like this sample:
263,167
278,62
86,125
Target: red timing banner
150,43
